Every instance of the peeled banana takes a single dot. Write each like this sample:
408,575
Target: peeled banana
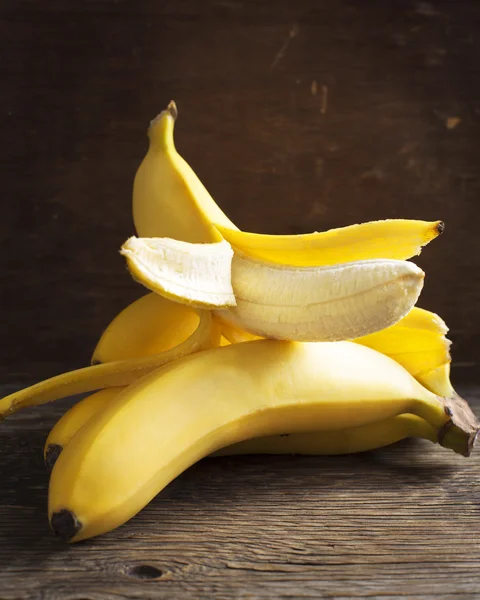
328,303
195,274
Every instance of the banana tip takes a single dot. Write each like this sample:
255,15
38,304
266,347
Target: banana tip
172,109
440,227
65,524
51,455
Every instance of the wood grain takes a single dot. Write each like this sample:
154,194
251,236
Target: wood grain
401,522
302,116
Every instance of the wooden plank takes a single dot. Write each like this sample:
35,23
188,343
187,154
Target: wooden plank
400,522
302,116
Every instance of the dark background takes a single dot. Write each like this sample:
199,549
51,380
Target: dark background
298,116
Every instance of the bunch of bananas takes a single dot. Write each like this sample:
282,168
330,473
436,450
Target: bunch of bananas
249,343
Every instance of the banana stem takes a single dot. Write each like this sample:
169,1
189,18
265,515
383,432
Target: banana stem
454,420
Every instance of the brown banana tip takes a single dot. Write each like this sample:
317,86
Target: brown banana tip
65,524
51,455
172,109
440,227
95,361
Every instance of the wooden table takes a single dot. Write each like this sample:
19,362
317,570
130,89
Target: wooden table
401,522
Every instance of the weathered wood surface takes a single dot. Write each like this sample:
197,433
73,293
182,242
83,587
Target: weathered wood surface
401,522
297,115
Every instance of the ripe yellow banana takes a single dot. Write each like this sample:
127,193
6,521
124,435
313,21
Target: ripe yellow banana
417,342
73,420
409,342
167,421
345,441
167,195
329,303
170,201
150,325
112,374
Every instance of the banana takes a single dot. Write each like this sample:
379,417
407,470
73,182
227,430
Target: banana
345,441
72,421
167,421
150,325
418,343
291,303
405,341
390,238
438,381
169,200
112,374
331,303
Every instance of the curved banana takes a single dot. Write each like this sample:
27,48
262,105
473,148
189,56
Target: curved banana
345,441
405,340
417,342
172,418
391,238
149,325
73,420
169,200
329,303
112,374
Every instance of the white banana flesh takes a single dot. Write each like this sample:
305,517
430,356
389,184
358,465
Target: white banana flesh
196,274
328,303
339,302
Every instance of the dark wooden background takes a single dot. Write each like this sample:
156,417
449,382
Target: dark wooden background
298,116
